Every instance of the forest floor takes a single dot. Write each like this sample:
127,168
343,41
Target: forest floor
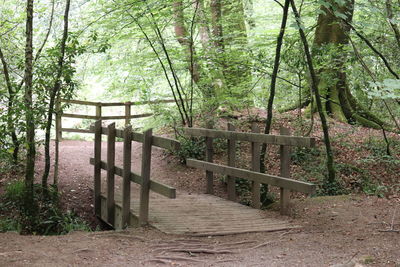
354,229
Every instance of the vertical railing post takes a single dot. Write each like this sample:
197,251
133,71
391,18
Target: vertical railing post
231,183
58,139
98,111
209,158
126,183
285,172
255,166
58,120
127,113
145,174
111,173
97,168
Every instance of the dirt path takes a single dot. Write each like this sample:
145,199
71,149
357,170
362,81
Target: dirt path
334,229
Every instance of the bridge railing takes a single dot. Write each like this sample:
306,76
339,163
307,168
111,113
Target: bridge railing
99,113
284,140
105,205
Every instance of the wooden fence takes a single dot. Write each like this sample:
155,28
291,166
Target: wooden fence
99,113
105,205
283,181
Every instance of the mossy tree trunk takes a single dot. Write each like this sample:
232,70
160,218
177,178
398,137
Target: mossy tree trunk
237,71
332,35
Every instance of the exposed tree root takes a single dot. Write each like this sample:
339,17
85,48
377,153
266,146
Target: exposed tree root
175,258
200,250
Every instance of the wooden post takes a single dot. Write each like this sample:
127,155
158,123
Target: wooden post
255,166
58,139
58,120
126,183
231,183
145,174
110,173
98,111
127,113
97,168
209,158
285,172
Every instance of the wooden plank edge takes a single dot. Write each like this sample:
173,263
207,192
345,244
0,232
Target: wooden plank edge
158,141
252,137
155,186
273,180
73,130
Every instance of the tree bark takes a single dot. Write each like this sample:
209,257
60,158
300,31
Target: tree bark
273,81
237,72
394,26
53,94
29,117
332,35
314,85
186,40
10,104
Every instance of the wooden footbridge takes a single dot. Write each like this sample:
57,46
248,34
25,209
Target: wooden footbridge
179,212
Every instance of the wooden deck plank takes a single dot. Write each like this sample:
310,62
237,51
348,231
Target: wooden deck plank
204,215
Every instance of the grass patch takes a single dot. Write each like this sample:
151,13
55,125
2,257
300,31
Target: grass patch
44,217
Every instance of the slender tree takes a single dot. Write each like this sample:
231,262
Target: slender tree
274,75
314,85
10,106
53,95
29,113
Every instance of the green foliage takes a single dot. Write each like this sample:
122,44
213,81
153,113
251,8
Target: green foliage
334,188
44,216
191,148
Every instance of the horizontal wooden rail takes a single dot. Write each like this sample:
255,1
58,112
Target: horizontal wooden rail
116,117
286,183
115,104
73,130
79,116
121,117
158,141
253,137
157,187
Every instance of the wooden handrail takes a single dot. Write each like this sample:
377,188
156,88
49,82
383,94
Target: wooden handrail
274,180
285,140
156,187
158,141
253,137
144,179
115,104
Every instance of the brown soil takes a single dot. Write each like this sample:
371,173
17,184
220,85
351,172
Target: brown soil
343,229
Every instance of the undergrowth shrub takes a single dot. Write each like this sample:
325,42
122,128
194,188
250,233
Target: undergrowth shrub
190,148
44,217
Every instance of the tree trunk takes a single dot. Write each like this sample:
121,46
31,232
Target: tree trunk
393,25
237,66
332,35
273,81
331,179
53,94
185,39
10,104
29,117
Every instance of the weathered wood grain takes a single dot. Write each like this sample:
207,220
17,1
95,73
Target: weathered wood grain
253,137
145,174
285,172
231,181
156,187
97,168
254,176
110,173
126,182
255,166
